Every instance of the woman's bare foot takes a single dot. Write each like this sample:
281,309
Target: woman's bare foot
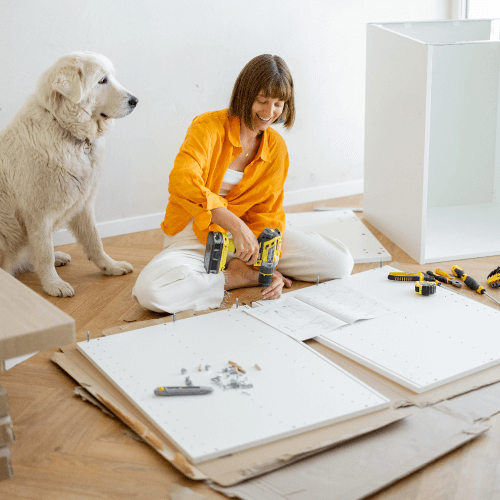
238,275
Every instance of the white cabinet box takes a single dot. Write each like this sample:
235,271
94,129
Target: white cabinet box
432,137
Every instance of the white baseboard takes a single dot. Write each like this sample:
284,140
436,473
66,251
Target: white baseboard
115,227
319,193
153,221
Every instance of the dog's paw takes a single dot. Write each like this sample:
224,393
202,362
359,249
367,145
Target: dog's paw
117,268
61,259
59,289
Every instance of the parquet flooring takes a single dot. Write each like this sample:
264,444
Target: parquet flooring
68,449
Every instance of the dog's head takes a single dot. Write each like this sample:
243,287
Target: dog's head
82,93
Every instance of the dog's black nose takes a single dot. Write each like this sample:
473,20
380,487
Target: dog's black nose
133,101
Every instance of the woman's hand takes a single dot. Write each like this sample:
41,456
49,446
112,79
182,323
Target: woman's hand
273,291
246,244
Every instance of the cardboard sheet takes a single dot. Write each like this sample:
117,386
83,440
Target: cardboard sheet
368,464
6,431
4,402
232,468
5,464
178,492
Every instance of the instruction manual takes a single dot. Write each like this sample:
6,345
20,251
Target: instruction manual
316,311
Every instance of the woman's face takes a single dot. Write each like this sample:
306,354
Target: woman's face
265,110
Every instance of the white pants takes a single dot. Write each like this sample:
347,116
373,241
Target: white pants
176,280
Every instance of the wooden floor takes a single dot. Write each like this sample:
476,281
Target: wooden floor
68,449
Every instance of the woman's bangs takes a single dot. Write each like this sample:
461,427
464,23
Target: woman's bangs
278,88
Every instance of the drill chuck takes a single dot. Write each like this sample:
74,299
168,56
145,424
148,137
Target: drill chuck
269,251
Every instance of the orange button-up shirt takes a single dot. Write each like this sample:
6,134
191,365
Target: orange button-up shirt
212,143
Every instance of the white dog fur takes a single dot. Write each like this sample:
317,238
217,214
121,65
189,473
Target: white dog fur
51,157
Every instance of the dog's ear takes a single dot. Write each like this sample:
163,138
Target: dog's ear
68,82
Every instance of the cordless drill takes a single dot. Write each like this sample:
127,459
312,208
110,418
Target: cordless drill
218,244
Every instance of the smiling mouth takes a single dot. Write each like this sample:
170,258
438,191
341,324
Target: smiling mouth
263,119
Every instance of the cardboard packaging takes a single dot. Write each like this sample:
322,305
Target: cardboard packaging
6,431
359,468
4,402
5,464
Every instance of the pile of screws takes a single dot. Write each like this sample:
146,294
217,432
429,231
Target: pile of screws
230,377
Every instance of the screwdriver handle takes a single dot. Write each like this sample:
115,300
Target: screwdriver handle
437,277
468,280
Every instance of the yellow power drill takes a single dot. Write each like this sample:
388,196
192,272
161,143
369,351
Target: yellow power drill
218,244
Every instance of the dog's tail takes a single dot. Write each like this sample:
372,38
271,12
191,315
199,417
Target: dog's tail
22,264
13,250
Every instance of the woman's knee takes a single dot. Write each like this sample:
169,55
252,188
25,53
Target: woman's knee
178,289
338,261
156,289
342,265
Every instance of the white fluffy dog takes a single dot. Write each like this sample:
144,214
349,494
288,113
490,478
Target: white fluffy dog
51,157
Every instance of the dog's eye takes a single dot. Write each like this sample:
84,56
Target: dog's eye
104,80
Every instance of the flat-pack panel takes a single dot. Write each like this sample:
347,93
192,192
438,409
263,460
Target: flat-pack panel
395,139
345,226
287,388
427,342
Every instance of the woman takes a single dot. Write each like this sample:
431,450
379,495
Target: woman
229,176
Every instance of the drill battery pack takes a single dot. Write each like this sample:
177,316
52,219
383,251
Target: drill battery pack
219,244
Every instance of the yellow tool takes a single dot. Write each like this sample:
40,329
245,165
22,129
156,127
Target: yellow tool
471,282
494,278
443,273
425,288
398,276
451,280
219,244
444,279
406,276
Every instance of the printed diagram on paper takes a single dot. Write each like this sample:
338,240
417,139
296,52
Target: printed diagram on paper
297,319
344,303
318,311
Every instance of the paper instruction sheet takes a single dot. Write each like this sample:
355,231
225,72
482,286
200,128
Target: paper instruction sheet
296,318
344,303
316,311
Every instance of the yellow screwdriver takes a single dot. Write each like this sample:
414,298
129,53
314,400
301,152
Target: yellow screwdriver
471,282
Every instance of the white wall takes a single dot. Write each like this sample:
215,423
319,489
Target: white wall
181,58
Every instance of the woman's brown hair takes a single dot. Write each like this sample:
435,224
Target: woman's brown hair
270,76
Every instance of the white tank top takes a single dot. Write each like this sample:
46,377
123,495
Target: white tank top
231,179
